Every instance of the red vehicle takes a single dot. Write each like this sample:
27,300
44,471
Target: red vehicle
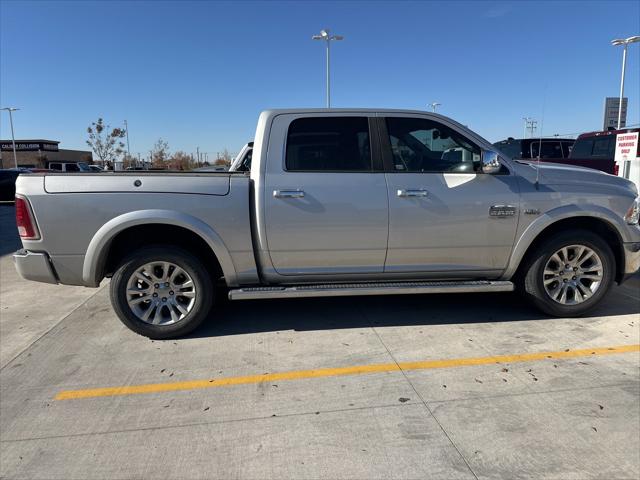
595,150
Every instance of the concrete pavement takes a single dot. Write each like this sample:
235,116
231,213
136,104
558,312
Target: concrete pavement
550,418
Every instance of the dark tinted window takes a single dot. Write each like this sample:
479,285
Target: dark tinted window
72,167
420,145
512,149
582,148
594,147
604,147
55,166
329,144
547,149
566,148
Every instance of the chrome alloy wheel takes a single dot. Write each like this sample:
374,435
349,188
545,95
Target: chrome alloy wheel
160,293
572,274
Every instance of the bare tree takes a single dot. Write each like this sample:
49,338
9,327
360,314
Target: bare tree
180,161
129,161
224,158
160,154
105,141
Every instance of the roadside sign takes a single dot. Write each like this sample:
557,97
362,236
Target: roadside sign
626,156
611,107
626,147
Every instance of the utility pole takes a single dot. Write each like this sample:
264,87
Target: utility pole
529,124
13,138
126,130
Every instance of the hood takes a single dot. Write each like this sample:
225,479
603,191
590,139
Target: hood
559,174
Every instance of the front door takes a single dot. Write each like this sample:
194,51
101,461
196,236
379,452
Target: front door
325,204
444,214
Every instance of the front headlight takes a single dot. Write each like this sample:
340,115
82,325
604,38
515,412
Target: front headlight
633,214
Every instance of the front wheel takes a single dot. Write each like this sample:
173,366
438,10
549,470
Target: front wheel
569,274
162,292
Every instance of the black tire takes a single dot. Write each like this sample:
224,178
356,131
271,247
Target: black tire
202,304
531,283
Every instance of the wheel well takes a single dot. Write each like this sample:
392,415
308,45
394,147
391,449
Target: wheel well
139,236
592,224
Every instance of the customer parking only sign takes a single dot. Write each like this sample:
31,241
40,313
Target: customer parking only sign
627,156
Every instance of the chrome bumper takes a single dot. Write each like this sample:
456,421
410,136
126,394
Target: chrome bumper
34,266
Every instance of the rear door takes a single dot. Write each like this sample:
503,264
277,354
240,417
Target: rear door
445,216
325,201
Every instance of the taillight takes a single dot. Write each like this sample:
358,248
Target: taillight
24,220
616,168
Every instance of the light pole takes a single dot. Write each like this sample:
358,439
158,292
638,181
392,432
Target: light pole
434,105
327,37
625,42
13,138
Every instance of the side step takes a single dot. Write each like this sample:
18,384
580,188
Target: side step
387,288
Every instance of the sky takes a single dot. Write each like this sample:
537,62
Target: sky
198,73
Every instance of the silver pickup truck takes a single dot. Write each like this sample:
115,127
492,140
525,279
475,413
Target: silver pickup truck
336,202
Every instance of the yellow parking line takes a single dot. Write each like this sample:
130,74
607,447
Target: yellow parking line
334,372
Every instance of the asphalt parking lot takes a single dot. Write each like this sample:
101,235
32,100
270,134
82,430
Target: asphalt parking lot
441,386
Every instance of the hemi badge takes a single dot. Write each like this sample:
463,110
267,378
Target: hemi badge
501,211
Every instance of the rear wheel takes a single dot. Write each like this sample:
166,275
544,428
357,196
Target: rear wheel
569,274
162,292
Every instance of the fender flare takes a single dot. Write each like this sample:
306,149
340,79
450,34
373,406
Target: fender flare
533,231
97,250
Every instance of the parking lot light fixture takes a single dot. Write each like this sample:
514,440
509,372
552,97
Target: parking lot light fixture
434,105
13,138
625,43
326,36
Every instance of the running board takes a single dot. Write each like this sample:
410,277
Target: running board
387,288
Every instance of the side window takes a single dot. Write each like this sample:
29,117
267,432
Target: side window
566,147
511,149
72,167
55,166
328,144
547,150
421,145
604,147
582,148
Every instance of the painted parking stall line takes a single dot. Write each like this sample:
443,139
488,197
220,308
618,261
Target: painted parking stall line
340,371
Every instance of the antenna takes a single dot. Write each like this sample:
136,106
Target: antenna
544,104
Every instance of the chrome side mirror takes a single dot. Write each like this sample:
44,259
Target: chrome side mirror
490,162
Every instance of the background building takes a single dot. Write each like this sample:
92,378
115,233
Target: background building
38,153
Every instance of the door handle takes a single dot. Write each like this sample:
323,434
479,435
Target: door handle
288,193
412,192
